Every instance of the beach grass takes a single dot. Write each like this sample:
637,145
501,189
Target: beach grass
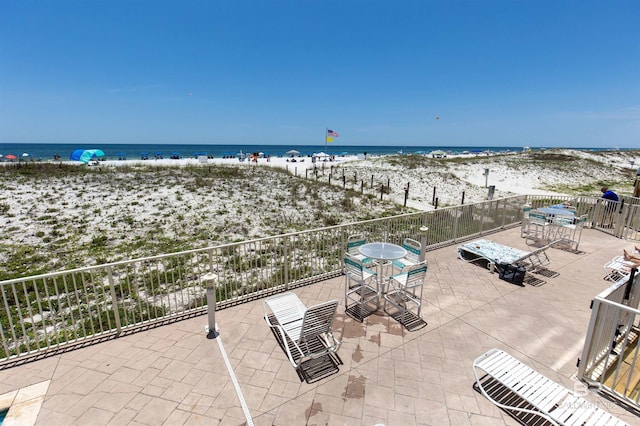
59,216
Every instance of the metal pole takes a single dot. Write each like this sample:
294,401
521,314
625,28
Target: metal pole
423,241
406,194
212,333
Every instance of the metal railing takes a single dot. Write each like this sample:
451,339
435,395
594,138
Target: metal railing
59,309
611,355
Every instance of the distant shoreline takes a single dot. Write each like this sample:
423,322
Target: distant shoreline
45,151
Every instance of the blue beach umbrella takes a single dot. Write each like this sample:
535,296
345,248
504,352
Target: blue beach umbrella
85,155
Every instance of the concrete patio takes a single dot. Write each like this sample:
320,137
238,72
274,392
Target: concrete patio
174,375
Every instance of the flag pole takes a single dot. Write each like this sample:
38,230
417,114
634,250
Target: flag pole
326,129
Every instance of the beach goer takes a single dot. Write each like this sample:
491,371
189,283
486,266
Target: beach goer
608,194
633,256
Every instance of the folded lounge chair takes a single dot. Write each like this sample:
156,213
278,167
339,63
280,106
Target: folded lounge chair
497,254
306,333
540,398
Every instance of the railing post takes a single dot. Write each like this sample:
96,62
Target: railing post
285,253
588,341
423,241
455,222
114,301
212,333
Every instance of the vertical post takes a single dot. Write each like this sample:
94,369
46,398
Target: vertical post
114,300
285,255
330,178
406,194
306,174
296,172
381,190
355,177
433,199
436,204
371,182
362,187
423,241
486,177
462,202
344,181
492,190
212,333
526,209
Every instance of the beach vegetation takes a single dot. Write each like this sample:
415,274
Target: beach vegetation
147,212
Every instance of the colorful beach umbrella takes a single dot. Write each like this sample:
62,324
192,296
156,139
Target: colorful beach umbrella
10,157
85,155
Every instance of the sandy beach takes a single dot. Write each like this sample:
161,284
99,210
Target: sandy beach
61,215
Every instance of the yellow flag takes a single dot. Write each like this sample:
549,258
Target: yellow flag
329,139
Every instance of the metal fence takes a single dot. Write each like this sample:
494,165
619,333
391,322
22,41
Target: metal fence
610,358
59,309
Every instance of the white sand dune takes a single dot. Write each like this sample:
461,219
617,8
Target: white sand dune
126,209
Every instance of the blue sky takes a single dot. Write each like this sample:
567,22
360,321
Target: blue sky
497,73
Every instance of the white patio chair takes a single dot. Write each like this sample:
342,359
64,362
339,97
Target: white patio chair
307,333
354,242
569,230
537,228
360,285
413,249
403,287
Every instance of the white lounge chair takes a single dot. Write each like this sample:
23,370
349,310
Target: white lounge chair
496,254
307,333
544,398
617,269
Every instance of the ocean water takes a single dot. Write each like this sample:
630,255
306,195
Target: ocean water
47,151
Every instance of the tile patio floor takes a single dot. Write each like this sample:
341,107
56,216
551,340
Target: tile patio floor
174,375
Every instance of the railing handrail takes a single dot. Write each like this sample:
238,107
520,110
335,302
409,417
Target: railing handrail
235,244
46,311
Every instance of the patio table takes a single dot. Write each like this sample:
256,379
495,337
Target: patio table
383,253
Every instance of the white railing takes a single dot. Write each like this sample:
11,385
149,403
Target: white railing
610,358
55,310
